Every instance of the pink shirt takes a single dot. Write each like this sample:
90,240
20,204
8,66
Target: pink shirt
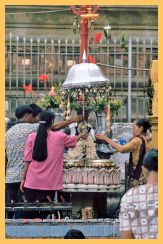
48,174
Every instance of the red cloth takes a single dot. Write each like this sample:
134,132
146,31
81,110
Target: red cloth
97,37
27,88
91,59
43,77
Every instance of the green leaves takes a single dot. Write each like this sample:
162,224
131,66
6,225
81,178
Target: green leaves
150,93
123,43
53,99
115,105
48,101
107,35
76,25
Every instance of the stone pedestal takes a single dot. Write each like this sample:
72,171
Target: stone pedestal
154,117
154,121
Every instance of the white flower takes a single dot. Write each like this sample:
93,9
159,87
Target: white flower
107,27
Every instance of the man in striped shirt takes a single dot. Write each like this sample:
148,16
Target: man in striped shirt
16,138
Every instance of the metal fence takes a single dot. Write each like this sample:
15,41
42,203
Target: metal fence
27,57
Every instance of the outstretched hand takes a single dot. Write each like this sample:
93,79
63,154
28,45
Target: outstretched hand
102,137
82,136
77,118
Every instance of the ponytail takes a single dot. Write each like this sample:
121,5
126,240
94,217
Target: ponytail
40,151
40,146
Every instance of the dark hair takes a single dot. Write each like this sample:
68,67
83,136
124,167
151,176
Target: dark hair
74,234
151,160
144,123
40,145
22,110
36,109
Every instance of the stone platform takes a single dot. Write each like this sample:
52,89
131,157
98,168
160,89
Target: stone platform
49,229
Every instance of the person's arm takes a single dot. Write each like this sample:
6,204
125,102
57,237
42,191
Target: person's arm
63,124
24,174
126,234
129,147
70,141
27,159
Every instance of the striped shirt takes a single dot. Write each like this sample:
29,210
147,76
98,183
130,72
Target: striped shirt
16,138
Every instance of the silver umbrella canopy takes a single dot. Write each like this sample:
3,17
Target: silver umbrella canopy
85,75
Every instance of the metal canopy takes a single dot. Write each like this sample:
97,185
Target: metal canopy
85,75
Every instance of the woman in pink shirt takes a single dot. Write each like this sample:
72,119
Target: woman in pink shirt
43,156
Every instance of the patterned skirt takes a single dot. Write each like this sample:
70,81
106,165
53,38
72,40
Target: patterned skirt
134,182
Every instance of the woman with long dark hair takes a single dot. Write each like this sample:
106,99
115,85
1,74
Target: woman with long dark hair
43,156
136,147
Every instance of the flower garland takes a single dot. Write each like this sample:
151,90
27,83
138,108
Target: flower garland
52,99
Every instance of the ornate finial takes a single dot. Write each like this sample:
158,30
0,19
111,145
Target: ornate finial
84,57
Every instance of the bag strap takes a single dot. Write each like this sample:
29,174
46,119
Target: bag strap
141,153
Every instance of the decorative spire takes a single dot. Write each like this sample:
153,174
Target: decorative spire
84,57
